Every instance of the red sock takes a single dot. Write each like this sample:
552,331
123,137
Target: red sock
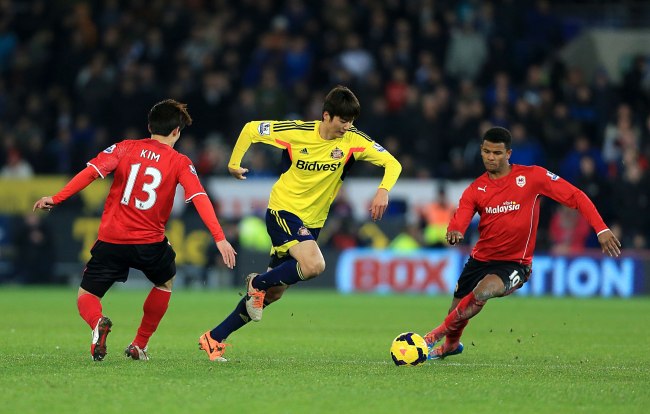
154,309
90,309
457,318
453,337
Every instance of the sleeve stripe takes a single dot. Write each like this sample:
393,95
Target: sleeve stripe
99,172
187,200
600,232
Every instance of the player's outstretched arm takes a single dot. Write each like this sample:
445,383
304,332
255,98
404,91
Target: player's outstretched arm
76,184
228,253
379,204
45,203
609,243
454,237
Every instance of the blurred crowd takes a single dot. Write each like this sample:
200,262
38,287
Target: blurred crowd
431,75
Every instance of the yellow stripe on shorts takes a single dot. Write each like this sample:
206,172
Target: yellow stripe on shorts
282,222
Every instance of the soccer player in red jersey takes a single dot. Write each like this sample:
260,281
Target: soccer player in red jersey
506,198
131,233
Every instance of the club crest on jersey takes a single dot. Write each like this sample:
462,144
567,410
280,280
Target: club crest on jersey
264,128
193,170
337,153
554,177
378,147
303,231
110,149
521,181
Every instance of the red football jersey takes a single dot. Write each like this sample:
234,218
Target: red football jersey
146,173
509,211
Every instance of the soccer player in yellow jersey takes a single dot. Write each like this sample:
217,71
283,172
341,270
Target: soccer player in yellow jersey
316,158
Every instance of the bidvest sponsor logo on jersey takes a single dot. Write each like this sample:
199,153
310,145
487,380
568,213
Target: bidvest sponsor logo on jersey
505,207
264,128
317,166
337,153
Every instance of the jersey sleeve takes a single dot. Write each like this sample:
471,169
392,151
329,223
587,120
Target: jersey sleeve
188,178
256,131
366,149
207,214
465,211
78,183
106,161
568,195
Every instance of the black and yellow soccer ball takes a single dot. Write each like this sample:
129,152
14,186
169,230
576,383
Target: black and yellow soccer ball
409,349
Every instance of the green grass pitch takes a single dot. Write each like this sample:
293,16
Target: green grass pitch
321,352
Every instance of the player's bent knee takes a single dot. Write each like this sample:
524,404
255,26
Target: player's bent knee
312,269
483,296
167,285
491,286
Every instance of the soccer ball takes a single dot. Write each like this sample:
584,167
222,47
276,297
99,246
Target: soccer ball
409,349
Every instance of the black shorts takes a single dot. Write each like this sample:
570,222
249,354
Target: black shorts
286,230
110,263
513,275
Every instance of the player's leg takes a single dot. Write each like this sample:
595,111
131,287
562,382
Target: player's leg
468,279
503,279
468,307
301,258
157,261
306,262
104,268
507,277
239,317
90,309
89,306
489,287
213,341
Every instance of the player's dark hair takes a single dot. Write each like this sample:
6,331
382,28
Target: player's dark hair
497,135
341,102
166,115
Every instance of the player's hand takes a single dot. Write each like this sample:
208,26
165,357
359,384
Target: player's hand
227,253
609,243
45,203
454,237
379,204
238,173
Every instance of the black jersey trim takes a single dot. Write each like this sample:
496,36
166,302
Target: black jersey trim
361,133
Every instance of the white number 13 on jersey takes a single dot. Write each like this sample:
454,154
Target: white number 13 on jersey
148,188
